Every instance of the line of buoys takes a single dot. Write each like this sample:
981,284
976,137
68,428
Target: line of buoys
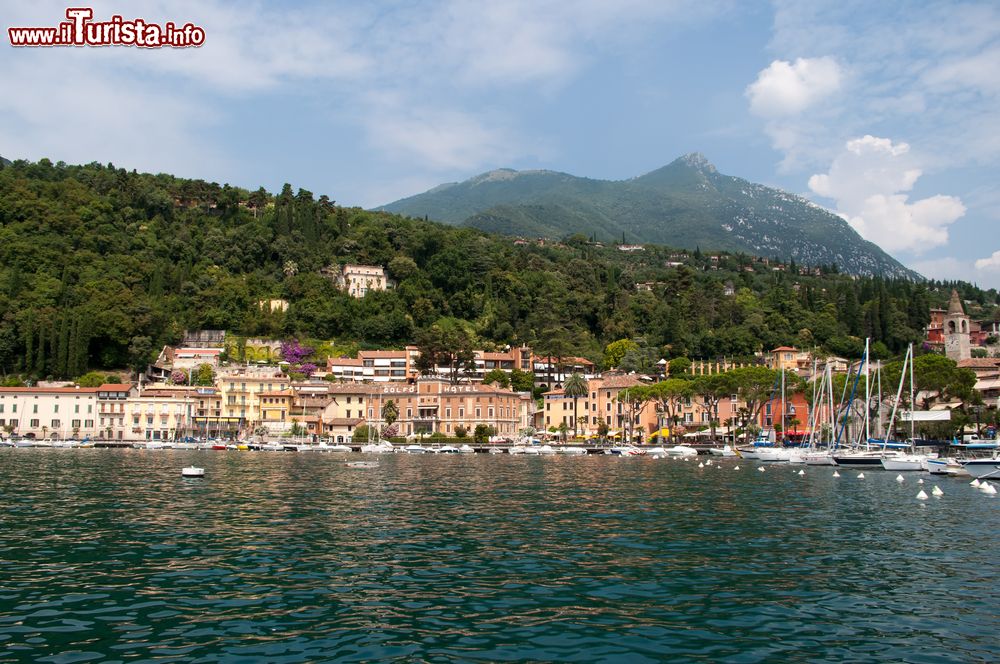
899,478
975,483
988,488
937,491
922,495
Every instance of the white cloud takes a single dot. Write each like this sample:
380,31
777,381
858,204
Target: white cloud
789,88
868,181
989,264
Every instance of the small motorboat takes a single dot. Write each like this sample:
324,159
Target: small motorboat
362,464
378,448
467,449
415,449
192,471
724,451
570,450
681,451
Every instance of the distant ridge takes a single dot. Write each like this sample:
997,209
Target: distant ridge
686,203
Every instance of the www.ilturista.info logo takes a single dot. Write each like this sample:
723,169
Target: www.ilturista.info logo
80,30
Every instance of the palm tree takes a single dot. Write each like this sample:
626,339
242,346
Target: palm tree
390,412
576,387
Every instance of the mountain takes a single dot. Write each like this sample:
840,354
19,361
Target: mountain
4,162
687,203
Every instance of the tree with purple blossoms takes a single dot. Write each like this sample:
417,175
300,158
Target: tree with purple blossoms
293,352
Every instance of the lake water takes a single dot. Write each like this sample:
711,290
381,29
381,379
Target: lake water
109,555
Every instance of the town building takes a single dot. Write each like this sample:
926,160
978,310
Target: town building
240,394
434,405
56,413
111,399
359,280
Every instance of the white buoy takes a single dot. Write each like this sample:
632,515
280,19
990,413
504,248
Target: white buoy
861,476
761,469
802,472
920,481
736,467
988,489
937,491
975,483
192,471
899,478
708,463
836,474
922,495
701,465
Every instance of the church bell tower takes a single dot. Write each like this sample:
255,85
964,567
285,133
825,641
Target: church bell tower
956,330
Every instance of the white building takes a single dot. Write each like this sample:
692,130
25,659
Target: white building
359,280
49,412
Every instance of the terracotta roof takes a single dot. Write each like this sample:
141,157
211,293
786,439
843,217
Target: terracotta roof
784,348
352,388
383,353
115,387
343,421
344,362
276,393
617,382
980,363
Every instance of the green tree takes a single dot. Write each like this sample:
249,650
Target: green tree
712,389
679,367
497,377
616,350
460,431
204,375
140,353
522,381
482,433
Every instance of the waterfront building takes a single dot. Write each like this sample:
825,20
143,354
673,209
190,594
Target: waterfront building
49,412
432,404
240,393
384,366
111,399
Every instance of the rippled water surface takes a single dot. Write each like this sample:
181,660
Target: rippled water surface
109,555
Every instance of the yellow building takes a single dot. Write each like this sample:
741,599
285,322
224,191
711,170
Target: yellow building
240,395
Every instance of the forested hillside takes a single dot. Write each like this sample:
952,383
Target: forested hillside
100,266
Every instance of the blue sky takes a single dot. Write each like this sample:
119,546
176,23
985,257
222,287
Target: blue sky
887,113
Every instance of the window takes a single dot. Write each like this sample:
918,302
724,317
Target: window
135,420
75,424
479,412
1,407
461,413
89,424
56,424
34,424
348,412
55,409
149,420
409,413
90,408
13,408
76,408
447,413
491,412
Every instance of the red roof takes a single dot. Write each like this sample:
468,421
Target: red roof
115,387
783,348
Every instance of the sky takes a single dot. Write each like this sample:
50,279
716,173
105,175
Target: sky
885,113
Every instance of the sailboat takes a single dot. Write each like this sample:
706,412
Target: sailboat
873,452
911,460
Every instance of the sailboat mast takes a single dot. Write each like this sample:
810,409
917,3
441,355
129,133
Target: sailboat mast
912,404
868,393
784,437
